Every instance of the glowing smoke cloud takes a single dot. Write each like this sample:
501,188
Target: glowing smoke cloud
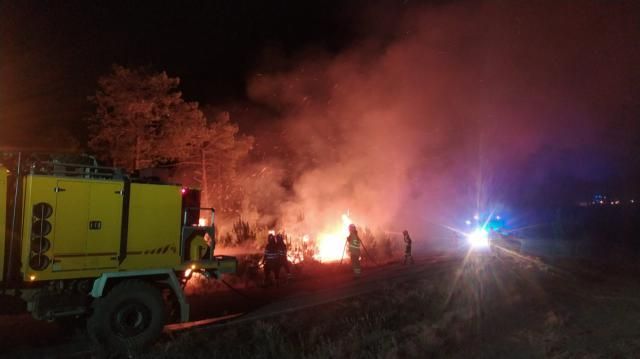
447,116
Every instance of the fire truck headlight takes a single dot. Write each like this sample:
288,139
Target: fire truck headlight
479,238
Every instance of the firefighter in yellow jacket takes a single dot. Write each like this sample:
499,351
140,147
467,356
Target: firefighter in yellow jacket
354,250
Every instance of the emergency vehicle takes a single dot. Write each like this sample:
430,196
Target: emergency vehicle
83,242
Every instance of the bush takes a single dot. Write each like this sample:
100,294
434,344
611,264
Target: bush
379,245
243,231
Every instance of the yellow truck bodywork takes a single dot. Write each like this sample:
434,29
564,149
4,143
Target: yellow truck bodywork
86,223
154,224
87,240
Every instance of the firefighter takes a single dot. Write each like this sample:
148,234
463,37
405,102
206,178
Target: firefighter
271,260
407,247
354,250
282,254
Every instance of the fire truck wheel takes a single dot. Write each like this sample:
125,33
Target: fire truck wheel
128,318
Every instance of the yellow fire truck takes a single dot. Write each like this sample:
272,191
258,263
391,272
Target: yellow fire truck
82,241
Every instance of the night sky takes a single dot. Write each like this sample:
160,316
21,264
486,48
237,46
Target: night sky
555,83
54,51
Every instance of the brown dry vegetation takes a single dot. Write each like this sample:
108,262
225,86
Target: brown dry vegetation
488,308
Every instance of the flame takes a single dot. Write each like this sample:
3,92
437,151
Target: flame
331,244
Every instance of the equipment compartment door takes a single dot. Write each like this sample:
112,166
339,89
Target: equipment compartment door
72,216
105,219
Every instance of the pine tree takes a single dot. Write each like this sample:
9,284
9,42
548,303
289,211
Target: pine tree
142,121
133,107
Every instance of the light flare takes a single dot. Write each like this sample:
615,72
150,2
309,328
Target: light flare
479,238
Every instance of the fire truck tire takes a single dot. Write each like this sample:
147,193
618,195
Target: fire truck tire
130,317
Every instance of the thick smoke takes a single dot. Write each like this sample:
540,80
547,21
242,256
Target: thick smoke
469,105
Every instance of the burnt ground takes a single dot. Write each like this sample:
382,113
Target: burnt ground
444,306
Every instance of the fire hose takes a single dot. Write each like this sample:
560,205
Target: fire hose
236,290
363,247
344,250
367,253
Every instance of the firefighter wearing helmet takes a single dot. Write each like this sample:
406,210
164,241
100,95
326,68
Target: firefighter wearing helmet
407,247
354,250
282,254
271,260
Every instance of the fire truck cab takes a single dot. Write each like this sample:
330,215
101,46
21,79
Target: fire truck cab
82,241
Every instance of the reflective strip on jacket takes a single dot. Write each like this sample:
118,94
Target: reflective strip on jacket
354,242
270,253
282,250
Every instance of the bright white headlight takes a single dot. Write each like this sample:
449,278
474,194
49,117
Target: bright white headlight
478,238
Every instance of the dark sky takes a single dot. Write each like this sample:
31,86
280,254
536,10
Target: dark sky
556,80
52,52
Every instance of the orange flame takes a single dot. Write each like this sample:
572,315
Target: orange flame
331,244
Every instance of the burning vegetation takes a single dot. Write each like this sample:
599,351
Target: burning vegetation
432,111
324,246
406,127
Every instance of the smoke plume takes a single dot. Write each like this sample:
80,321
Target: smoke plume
458,107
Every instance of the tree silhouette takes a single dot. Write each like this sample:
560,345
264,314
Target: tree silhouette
142,121
134,107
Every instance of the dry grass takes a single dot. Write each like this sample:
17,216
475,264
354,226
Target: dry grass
482,311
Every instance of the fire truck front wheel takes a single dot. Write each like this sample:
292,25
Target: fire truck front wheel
129,317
